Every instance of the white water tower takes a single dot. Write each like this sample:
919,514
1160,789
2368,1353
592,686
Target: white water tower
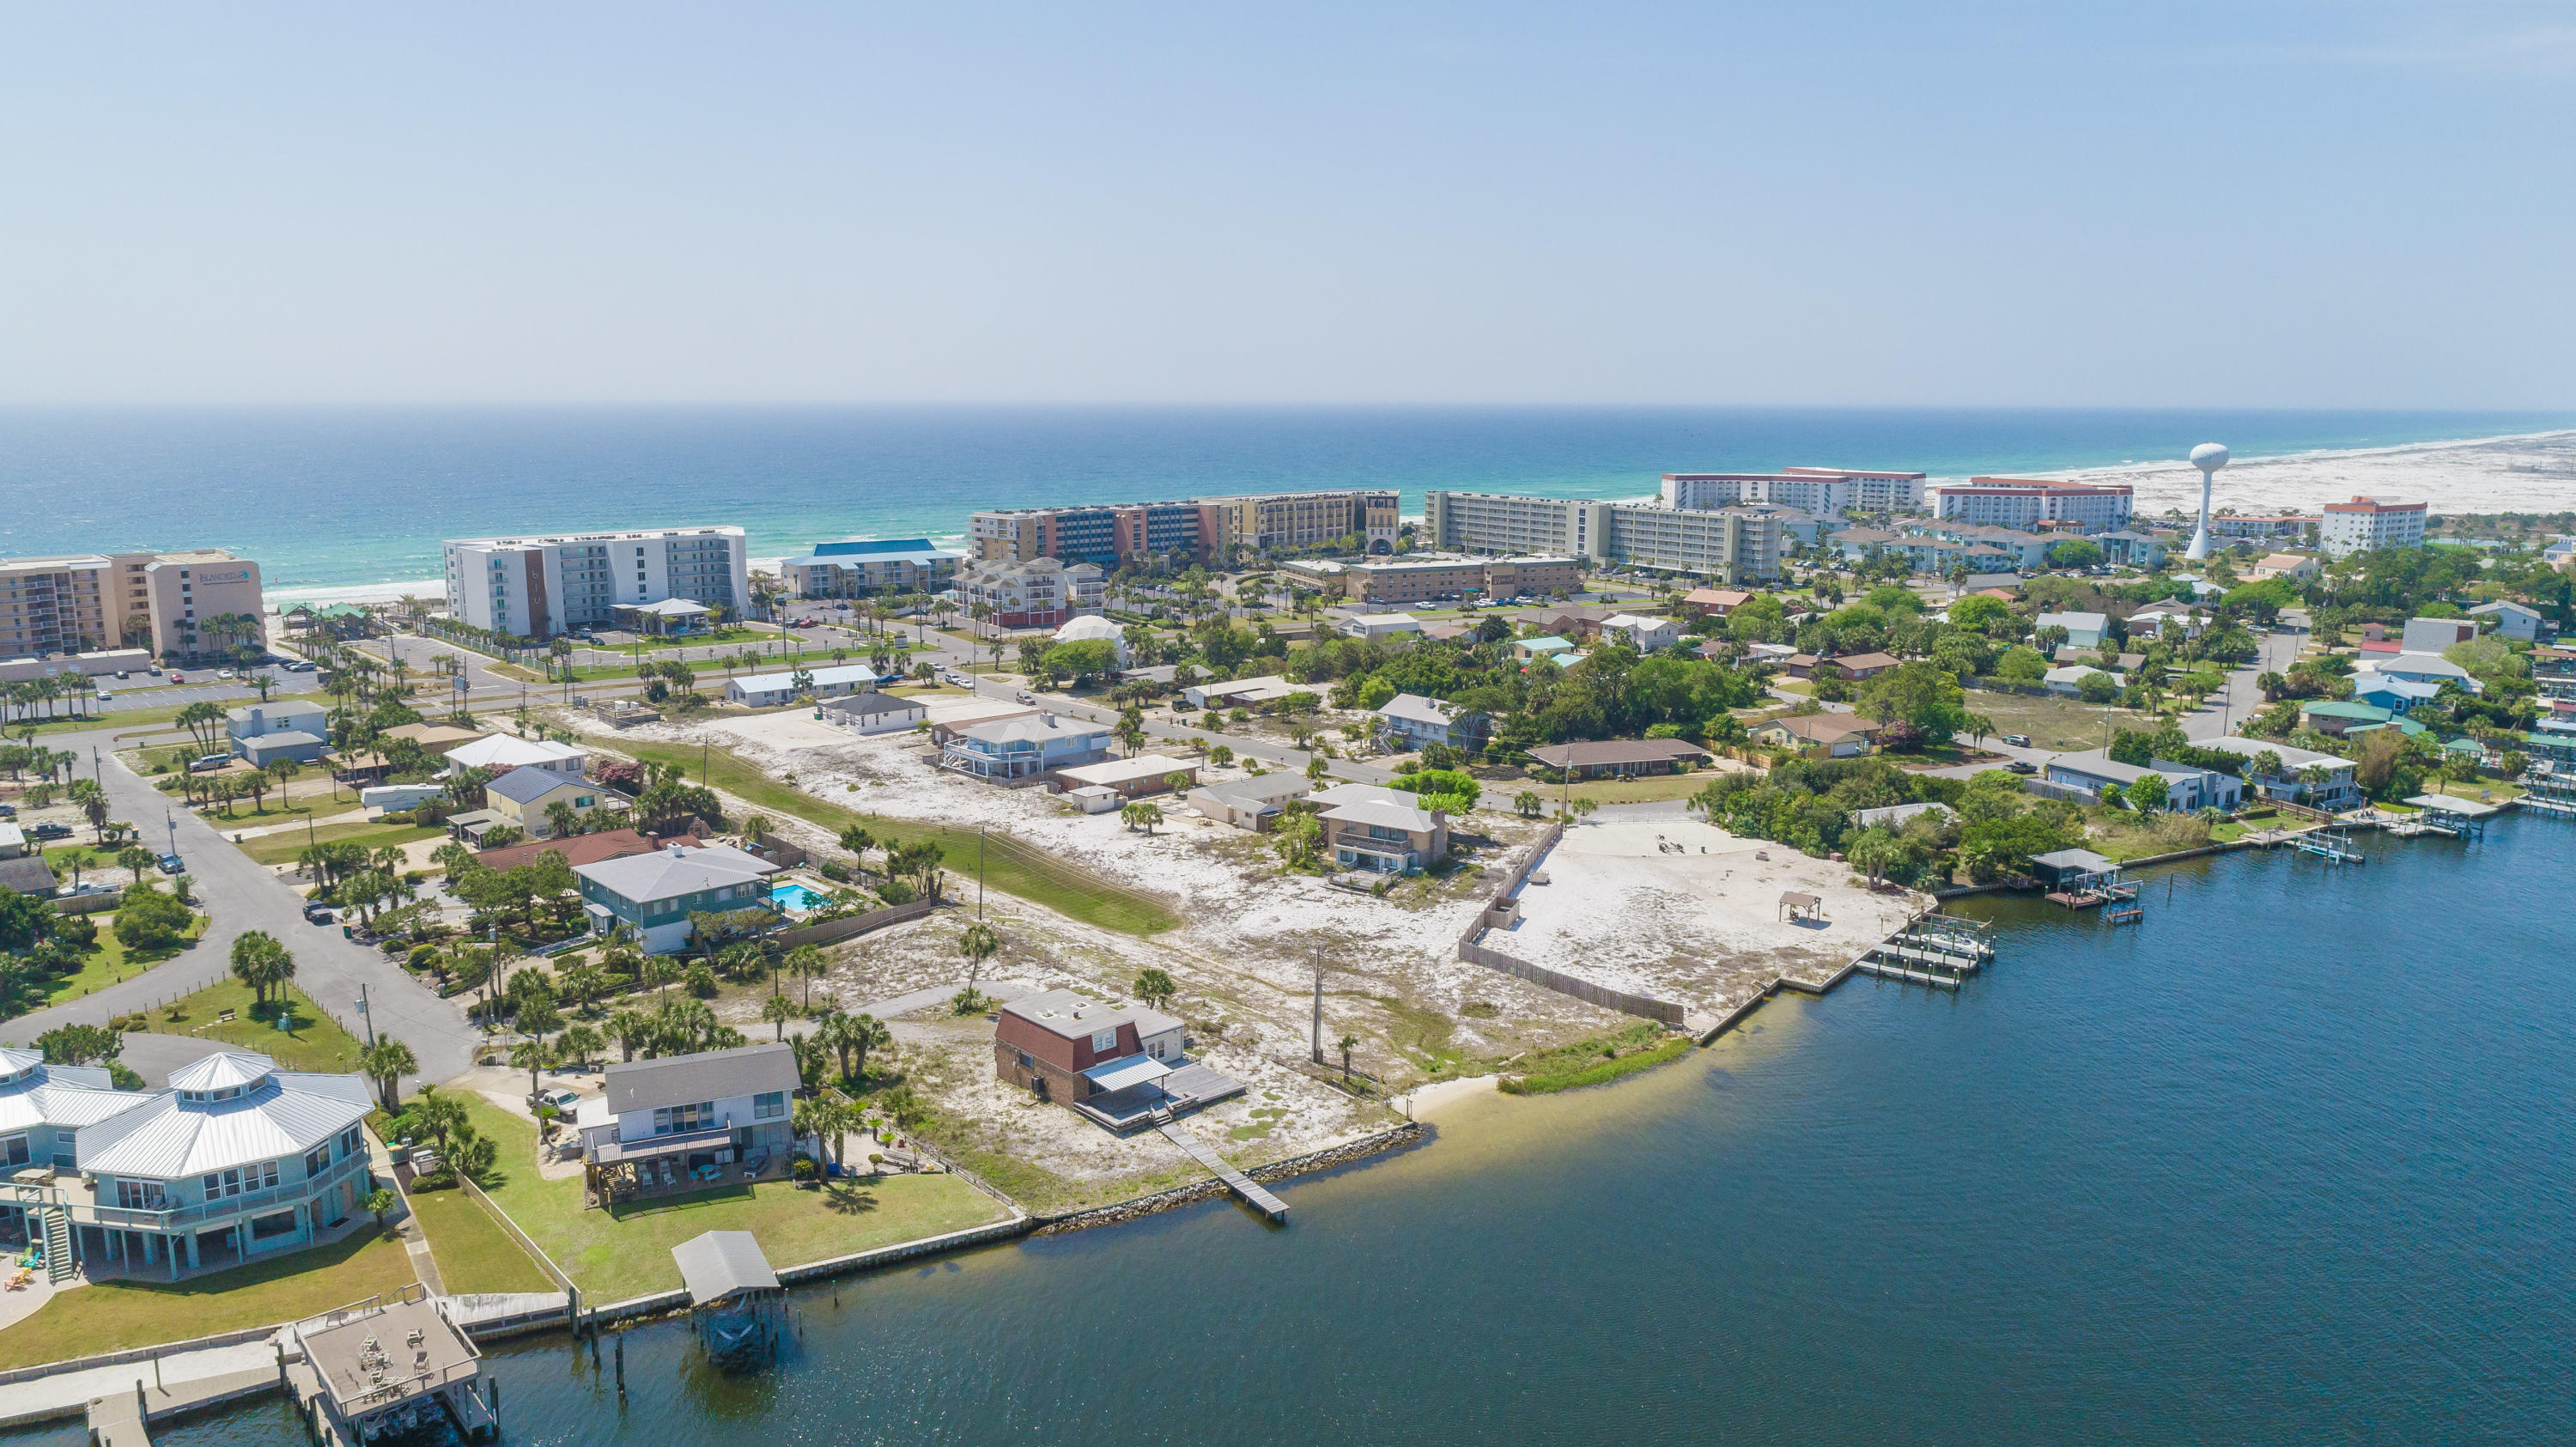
2208,457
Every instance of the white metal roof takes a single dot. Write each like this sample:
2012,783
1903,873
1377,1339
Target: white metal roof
178,1132
675,871
496,750
721,1264
1386,813
833,677
33,1093
1127,771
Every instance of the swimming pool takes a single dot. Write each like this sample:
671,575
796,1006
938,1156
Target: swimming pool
796,897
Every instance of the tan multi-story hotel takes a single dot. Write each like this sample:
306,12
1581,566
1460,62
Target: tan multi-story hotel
166,602
1201,530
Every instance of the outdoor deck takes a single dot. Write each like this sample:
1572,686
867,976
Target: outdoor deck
1159,1101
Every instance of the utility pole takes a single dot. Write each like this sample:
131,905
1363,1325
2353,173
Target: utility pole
1318,1044
979,871
367,1016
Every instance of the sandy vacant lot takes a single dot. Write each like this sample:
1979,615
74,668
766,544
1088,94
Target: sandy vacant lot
1686,912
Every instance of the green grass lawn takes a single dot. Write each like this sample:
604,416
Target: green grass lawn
1034,876
282,848
614,1256
115,1315
111,961
473,1253
315,1041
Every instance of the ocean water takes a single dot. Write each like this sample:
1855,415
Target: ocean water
347,497
2292,1162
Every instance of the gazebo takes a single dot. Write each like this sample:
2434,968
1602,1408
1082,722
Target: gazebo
669,616
1797,906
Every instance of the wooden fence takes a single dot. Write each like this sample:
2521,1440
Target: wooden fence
857,924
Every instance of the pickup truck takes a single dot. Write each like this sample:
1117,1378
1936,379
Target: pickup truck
49,831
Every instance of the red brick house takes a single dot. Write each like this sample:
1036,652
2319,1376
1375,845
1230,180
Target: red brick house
1068,1047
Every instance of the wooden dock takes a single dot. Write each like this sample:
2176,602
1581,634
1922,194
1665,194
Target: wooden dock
120,1420
1235,1181
1871,964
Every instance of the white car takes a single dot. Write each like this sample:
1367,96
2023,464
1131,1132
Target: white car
104,695
223,673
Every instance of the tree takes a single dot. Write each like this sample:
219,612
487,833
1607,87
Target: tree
386,1062
2148,793
80,1045
260,962
979,943
778,1010
1874,851
1155,988
580,1043
1346,1044
534,1057
805,962
380,1203
1141,816
851,1037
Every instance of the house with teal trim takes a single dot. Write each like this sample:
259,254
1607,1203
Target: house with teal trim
657,892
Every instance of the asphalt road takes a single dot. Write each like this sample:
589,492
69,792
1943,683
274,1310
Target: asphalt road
241,894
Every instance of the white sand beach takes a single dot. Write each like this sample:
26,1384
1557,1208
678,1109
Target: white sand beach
2532,473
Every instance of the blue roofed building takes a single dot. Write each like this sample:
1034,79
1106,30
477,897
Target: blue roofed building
859,568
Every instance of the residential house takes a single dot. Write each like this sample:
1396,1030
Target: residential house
2429,668
509,751
2187,788
2513,620
1385,836
2149,623
1378,627
2297,567
657,892
1025,747
434,738
1410,720
2432,635
768,690
236,1160
1820,735
874,713
1703,602
13,841
2340,790
1858,666
2397,695
1068,1047
577,850
1241,692
1253,802
717,1115
1130,778
1546,645
2084,630
285,715
43,1108
261,750
1618,758
2339,719
1894,816
2072,654
524,798
27,874
1642,633
2068,682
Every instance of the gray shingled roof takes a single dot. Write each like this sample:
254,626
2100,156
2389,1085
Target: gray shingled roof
708,1075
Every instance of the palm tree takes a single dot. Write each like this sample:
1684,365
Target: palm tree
1141,816
851,1037
978,944
1345,1045
805,962
386,1062
631,1029
260,962
562,819
534,1057
1155,988
778,1010
136,858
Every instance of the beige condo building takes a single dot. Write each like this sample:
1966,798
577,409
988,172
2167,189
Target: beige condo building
88,602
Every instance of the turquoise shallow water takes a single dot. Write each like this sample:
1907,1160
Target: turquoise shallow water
335,498
2293,1162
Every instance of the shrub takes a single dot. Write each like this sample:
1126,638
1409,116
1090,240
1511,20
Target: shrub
421,957
701,980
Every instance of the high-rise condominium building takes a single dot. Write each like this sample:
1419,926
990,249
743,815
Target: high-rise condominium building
179,605
1824,491
1202,530
2366,525
1734,545
2015,502
538,586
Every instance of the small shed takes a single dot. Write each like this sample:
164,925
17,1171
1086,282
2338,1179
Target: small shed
1798,905
2071,868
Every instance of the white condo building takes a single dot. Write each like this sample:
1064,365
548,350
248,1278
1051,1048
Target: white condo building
538,586
2366,525
1824,491
2024,503
1730,545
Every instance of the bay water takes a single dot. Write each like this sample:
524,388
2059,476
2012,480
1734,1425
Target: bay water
2293,1161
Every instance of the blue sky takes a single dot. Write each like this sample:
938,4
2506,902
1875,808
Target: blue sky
2249,204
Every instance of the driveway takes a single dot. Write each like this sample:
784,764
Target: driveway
242,894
